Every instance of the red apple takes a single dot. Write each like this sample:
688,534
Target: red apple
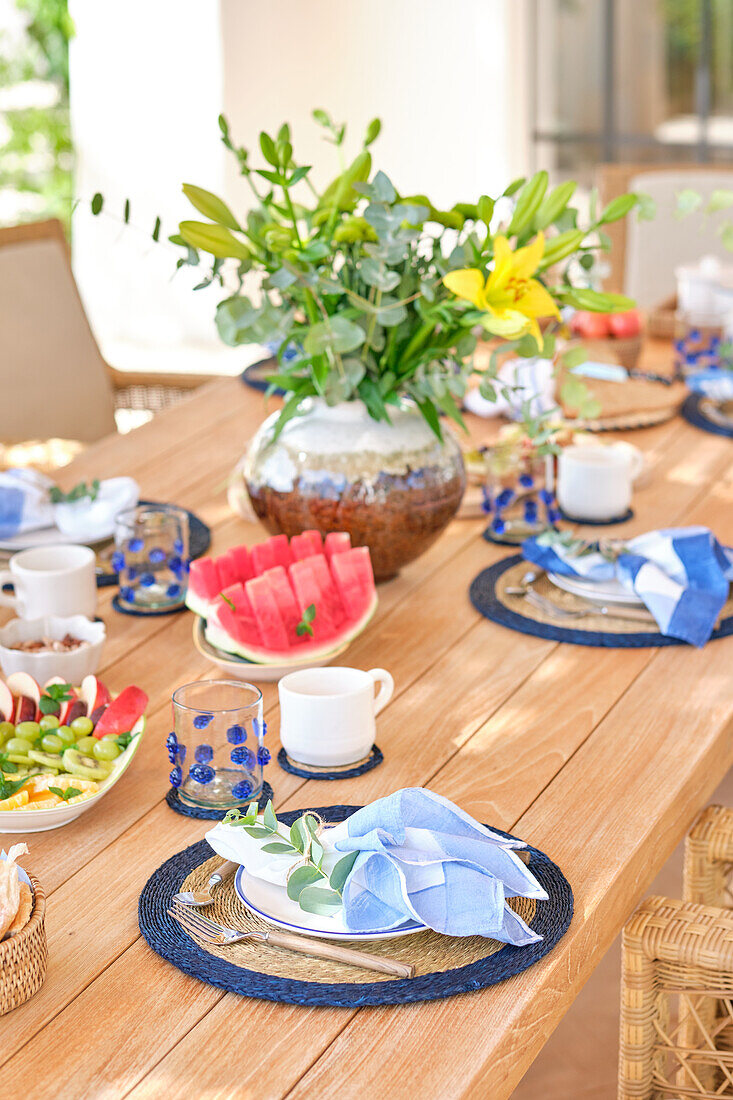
122,713
77,709
94,694
591,326
625,324
6,702
27,696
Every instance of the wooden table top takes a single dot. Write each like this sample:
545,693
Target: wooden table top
599,757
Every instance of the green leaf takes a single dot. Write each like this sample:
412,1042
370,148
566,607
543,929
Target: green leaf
126,215
553,204
315,899
257,832
485,209
337,333
215,239
377,275
298,834
321,117
574,357
372,131
646,206
299,174
304,626
617,208
156,230
341,871
269,818
687,202
382,188
300,879
269,152
720,199
594,300
560,247
97,203
528,202
210,206
513,187
429,411
278,848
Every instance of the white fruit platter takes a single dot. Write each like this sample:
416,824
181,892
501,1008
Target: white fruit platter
241,669
62,748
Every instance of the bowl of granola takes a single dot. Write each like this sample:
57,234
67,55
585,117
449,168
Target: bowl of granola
66,646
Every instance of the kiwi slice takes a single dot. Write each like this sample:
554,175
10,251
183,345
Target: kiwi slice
19,758
86,767
48,759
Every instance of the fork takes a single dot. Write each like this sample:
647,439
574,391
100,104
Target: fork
550,608
206,931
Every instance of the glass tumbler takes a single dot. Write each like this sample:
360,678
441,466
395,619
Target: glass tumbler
217,745
151,557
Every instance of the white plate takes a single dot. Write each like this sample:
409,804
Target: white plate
611,591
40,821
272,903
241,669
49,536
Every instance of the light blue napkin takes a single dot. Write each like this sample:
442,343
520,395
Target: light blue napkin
422,858
681,574
24,501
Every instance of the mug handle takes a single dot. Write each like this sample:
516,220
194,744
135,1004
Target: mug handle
636,457
383,696
6,577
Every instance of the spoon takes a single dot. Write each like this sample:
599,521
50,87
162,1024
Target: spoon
204,897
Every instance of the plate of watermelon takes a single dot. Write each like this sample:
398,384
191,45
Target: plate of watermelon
62,748
283,604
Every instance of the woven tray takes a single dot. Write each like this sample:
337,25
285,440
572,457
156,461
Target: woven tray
23,958
444,965
488,595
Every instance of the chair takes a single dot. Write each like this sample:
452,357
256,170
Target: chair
676,1002
55,383
709,859
644,254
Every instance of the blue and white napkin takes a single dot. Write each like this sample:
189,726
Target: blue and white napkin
681,574
25,505
421,857
24,502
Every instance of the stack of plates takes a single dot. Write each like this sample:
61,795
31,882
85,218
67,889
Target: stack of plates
600,592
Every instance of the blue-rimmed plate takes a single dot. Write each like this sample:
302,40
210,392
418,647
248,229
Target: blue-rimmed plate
272,903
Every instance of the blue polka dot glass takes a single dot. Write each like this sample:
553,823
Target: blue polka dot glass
211,718
151,549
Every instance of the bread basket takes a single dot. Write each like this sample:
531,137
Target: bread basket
23,958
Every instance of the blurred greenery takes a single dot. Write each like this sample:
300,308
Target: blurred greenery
36,156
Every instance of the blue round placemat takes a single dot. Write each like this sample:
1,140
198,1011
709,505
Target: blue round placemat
174,801
373,760
694,414
253,376
167,938
199,541
152,614
482,594
597,522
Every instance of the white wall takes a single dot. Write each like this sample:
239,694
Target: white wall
447,78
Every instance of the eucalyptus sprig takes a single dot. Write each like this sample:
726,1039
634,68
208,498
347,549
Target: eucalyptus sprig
315,890
79,492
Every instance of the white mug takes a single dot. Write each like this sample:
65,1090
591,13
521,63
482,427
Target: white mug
51,580
327,714
594,482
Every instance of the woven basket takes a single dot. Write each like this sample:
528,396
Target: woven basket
23,958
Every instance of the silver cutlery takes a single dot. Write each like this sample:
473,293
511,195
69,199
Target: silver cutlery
204,897
542,603
205,931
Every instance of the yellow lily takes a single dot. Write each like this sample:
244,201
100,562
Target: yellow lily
510,296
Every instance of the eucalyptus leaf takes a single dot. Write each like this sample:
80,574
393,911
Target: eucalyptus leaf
337,333
316,899
301,878
341,871
268,817
278,848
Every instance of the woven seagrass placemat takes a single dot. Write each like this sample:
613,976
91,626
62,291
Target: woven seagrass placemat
489,596
706,415
444,965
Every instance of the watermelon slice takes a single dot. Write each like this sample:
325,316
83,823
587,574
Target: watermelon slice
254,601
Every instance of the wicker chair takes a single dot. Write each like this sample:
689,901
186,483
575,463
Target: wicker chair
709,859
676,1002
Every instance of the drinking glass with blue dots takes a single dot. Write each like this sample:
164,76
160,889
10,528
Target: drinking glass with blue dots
217,747
151,557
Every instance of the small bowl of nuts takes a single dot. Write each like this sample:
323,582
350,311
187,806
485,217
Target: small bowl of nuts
69,647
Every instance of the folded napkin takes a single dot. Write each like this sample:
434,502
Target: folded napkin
25,505
681,574
419,858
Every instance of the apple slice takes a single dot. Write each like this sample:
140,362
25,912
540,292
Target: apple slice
122,713
94,694
27,696
7,706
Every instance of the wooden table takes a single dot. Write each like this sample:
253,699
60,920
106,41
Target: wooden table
601,758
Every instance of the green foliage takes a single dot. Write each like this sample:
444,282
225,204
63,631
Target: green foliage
351,277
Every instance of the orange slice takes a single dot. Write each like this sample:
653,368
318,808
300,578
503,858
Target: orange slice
49,803
15,802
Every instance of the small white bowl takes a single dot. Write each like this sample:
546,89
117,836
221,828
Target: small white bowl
72,666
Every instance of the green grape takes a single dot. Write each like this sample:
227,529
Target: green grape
7,730
106,751
30,731
49,722
51,742
82,726
86,745
66,734
19,746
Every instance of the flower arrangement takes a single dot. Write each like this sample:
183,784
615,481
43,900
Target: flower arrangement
376,295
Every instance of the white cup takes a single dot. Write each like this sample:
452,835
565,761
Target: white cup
594,482
327,714
51,580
